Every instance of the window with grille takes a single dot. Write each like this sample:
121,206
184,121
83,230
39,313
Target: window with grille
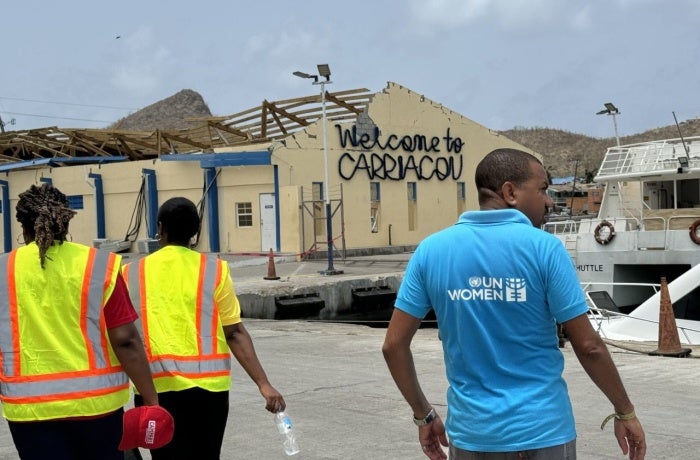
244,214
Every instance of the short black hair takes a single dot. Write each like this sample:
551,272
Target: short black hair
501,166
179,218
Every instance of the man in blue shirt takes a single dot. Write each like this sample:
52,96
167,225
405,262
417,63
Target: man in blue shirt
498,285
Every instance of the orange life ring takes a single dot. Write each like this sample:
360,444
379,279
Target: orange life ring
693,232
607,238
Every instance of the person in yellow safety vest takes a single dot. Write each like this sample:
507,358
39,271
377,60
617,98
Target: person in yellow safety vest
190,319
68,341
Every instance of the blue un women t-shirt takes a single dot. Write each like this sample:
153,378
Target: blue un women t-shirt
498,286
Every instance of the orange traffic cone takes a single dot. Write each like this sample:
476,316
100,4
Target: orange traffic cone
271,273
669,342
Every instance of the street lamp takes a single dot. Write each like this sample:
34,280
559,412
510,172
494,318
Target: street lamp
610,109
325,72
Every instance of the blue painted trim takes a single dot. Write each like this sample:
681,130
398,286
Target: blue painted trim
6,237
151,202
218,160
277,207
212,208
99,204
57,162
46,180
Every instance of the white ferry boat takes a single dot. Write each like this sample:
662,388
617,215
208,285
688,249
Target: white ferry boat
648,225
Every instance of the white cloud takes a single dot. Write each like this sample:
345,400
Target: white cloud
511,15
142,64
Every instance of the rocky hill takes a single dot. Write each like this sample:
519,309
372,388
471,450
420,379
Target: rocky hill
560,149
167,114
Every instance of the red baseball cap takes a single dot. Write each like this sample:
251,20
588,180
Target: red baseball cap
150,427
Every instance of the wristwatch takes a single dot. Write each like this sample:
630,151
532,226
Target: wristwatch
427,419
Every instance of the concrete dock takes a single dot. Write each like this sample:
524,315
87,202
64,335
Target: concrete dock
260,297
345,405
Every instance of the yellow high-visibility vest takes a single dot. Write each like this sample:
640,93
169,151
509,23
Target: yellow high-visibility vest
57,361
174,289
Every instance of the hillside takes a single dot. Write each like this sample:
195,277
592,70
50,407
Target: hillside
560,149
167,114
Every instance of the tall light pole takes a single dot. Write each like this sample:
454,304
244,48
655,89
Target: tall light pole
610,109
325,72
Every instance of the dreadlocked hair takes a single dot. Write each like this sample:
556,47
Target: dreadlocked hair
44,213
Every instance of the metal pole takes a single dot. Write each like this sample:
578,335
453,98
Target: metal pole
617,138
573,188
330,270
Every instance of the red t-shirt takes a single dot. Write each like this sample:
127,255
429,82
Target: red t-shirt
119,310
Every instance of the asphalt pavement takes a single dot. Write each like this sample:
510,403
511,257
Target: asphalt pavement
344,404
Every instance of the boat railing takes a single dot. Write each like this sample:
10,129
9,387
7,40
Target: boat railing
648,157
562,227
648,222
671,220
587,225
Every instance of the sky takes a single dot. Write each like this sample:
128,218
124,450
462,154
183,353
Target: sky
500,63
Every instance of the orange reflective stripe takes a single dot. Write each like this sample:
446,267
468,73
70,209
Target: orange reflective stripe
96,280
84,306
210,366
191,375
6,335
14,315
215,309
112,266
207,312
142,306
74,395
62,375
7,356
200,295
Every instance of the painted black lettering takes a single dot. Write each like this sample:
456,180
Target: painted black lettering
349,158
456,174
423,168
442,167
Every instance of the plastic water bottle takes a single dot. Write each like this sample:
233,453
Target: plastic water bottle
285,427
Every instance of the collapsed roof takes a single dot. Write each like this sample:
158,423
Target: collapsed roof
264,123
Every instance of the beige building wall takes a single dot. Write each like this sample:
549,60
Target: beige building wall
402,113
122,182
438,148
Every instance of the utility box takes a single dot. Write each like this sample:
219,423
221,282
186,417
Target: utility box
147,246
112,245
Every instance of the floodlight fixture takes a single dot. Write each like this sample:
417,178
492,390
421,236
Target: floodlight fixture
305,75
324,70
610,109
